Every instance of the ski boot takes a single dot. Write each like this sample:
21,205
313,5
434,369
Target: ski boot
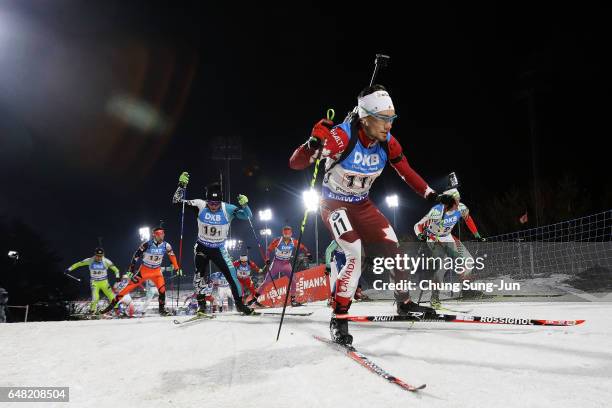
360,296
110,306
254,301
405,308
162,305
91,315
295,303
338,329
435,301
201,310
247,310
242,308
163,311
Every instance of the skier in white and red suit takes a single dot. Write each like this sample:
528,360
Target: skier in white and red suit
280,252
356,154
244,266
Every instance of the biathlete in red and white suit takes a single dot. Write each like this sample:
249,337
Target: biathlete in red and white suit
356,154
280,253
244,267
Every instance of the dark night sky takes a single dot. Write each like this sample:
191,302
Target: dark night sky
265,74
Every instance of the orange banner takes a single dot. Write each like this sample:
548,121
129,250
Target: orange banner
310,285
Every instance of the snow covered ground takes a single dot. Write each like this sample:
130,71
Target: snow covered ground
234,361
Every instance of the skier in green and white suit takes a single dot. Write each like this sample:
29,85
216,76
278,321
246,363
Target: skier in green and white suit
98,272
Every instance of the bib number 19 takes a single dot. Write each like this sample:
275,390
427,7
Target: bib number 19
211,231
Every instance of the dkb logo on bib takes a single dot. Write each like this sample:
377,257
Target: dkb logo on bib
366,159
212,217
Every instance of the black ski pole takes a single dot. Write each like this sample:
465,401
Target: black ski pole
180,260
268,269
261,251
330,116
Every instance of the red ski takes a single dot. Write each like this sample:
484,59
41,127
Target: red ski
454,318
369,364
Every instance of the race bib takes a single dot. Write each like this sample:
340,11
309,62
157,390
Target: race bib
213,233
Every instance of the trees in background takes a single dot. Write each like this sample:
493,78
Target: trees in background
35,278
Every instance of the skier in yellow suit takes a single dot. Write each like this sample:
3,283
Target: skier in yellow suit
98,272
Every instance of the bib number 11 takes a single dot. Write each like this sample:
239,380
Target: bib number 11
356,181
340,223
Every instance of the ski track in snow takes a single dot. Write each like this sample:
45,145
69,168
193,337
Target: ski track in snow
235,361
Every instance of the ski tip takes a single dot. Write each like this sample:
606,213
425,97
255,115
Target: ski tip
353,318
559,322
407,386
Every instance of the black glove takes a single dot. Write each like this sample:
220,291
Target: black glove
313,143
447,200
320,131
432,197
422,237
309,256
267,262
327,269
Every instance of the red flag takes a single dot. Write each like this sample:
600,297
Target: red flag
524,218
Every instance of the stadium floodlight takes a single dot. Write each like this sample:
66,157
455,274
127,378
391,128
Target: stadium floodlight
392,201
145,233
311,200
265,215
230,244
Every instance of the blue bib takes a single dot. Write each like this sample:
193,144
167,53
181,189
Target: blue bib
283,250
448,220
362,159
351,178
213,227
154,254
